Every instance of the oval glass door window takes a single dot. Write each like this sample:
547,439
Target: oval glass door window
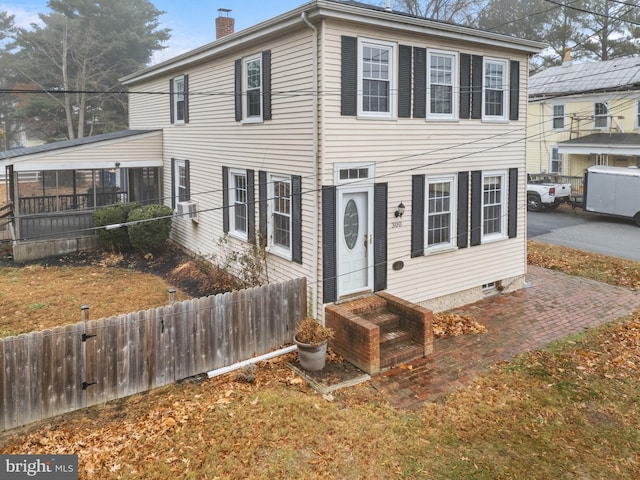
351,224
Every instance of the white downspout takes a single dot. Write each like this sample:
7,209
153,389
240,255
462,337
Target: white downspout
317,172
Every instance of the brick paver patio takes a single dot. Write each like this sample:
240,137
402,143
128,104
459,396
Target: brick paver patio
554,306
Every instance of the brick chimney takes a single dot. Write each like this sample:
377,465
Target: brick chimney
566,58
224,23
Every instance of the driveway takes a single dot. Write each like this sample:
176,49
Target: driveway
554,306
589,232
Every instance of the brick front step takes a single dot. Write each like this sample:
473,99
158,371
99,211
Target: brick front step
386,320
399,353
394,337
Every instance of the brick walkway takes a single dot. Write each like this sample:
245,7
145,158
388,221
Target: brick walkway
556,305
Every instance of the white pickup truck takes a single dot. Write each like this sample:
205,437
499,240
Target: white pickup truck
543,194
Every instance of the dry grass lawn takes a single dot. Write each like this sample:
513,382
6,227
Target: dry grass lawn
567,412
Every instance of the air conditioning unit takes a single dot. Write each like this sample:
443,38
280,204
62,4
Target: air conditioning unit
188,210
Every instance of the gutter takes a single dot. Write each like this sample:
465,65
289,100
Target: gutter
316,170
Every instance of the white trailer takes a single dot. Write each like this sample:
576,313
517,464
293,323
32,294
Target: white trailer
613,191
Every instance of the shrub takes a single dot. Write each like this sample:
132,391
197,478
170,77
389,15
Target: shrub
151,233
118,238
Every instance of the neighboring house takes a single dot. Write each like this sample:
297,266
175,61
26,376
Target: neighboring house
369,149
583,114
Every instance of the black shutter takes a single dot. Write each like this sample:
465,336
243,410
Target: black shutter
512,228
329,256
417,215
419,82
476,207
187,174
349,85
172,112
476,86
463,209
514,90
379,237
225,199
404,82
266,85
251,206
296,218
238,90
186,99
262,207
465,85
173,183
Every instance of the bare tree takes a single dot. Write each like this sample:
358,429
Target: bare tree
463,12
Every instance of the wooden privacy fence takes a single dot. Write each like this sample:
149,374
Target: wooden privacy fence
51,372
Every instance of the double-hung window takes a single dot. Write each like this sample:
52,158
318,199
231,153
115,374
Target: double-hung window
440,213
558,117
600,115
280,218
179,100
239,203
555,164
377,79
493,205
181,181
441,78
252,88
495,84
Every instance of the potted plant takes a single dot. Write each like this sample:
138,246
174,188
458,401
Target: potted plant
311,338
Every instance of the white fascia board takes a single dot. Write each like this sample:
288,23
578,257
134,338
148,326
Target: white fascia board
30,166
325,9
624,150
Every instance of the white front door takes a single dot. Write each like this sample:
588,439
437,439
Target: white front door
355,240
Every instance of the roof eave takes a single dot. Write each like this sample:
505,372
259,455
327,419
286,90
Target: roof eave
327,9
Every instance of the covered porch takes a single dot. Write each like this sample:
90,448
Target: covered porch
51,190
613,149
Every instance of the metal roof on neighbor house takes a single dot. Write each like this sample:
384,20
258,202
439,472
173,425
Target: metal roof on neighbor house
625,144
605,139
574,78
50,147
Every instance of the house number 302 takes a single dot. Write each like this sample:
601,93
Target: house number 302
396,224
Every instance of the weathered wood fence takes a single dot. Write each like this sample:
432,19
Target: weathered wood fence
51,372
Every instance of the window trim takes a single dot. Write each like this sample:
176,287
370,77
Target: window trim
453,209
606,115
279,250
177,93
233,231
455,79
181,164
558,160
392,114
636,125
246,118
340,167
502,234
505,90
554,116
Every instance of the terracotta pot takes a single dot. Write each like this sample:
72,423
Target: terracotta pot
312,357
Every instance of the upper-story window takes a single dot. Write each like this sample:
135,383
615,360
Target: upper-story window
494,90
441,78
252,88
179,107
558,117
600,115
377,79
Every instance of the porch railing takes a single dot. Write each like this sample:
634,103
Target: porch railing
65,203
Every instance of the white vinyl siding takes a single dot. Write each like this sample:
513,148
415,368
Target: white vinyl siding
377,77
442,89
494,206
495,92
440,213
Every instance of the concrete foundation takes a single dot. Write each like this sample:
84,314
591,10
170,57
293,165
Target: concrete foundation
27,251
